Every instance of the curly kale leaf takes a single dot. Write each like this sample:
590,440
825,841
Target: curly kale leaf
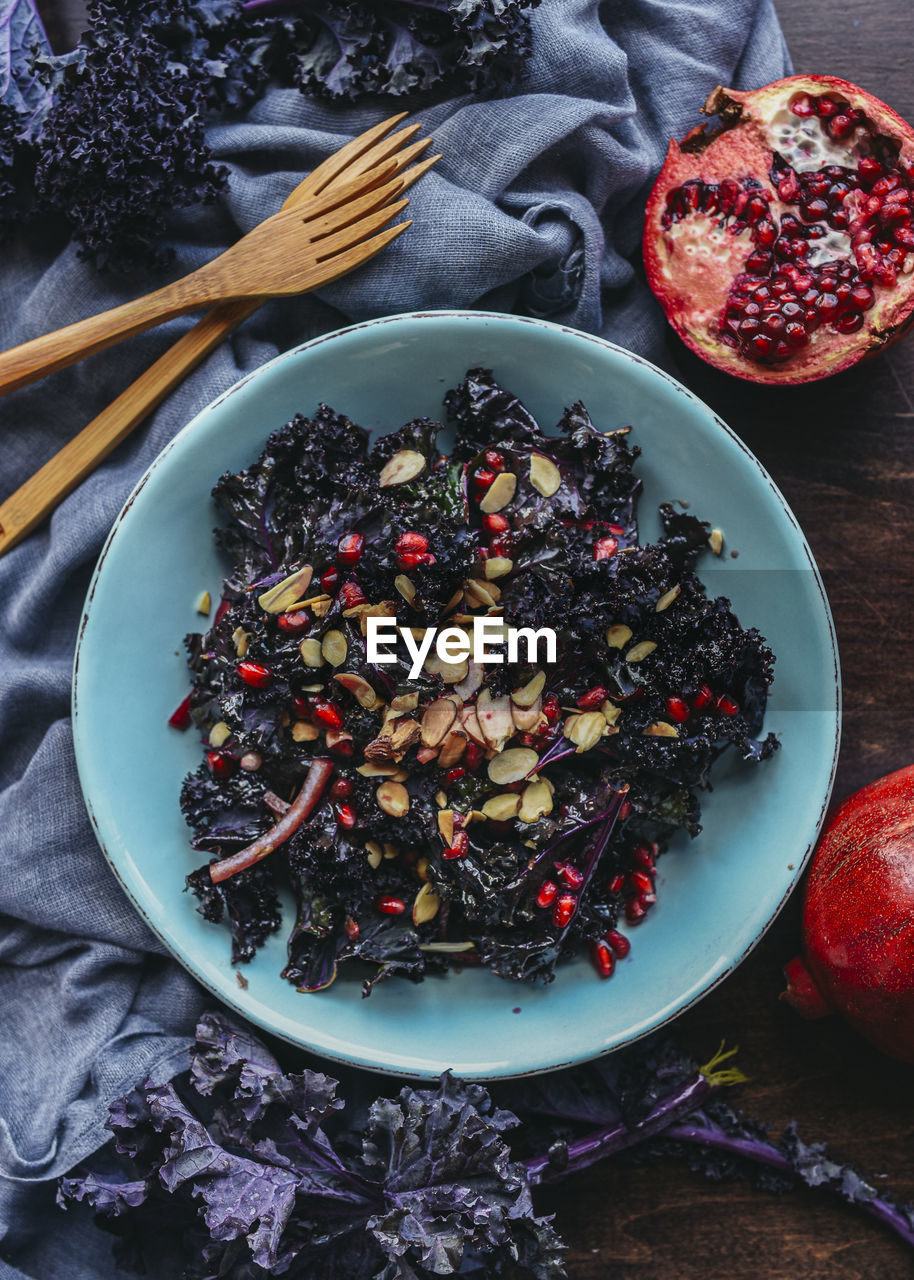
425,1185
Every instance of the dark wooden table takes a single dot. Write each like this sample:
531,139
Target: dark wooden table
843,454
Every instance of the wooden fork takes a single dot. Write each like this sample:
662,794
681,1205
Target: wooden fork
370,155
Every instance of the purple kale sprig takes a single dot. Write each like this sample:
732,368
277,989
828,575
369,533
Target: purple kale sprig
257,1172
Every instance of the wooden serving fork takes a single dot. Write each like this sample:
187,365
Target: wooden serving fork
378,165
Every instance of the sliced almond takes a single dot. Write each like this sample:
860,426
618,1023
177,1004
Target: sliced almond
311,653
441,799
437,721
425,905
640,650
499,493
470,722
535,802
390,851
667,598
240,639
472,681
498,566
450,672
386,609
406,733
404,466
405,587
375,854
303,731
320,606
279,597
204,603
378,769
495,720
360,689
618,636
527,719
393,798
716,541
585,730
454,602
482,594
335,736
610,711
425,755
312,688
501,807
219,734
512,765
661,729
544,475
452,749
446,826
422,870
405,702
401,775
526,696
334,647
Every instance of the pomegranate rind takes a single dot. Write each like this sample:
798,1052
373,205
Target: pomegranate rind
693,295
858,917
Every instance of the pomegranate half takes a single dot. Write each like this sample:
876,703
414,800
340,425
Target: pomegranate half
858,918
780,242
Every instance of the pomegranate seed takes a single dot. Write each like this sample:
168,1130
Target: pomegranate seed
389,905
546,895
616,884
180,717
572,876
563,910
345,816
328,713
551,708
593,698
840,125
626,808
605,548
342,789
302,708
802,106
224,606
349,550
351,928
643,881
473,756
849,323
500,546
330,580
645,856
701,698
221,765
293,623
619,943
339,744
726,705
411,542
495,523
351,594
460,848
862,297
484,479
412,559
677,709
603,959
635,911
252,673
826,106
870,169
455,774
827,306
495,460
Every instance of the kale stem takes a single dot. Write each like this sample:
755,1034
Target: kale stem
764,1153
584,1152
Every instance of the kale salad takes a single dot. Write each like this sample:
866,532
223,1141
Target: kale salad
507,813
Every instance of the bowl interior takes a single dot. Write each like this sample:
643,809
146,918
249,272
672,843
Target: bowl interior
717,894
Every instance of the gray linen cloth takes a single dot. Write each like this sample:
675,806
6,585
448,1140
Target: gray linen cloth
536,207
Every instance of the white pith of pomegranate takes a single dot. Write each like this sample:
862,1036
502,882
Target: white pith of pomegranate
781,245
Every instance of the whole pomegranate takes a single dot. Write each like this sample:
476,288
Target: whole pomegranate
781,242
858,918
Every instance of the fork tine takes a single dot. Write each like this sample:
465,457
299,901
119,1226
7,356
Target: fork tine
334,165
362,252
355,232
414,173
386,149
316,228
346,192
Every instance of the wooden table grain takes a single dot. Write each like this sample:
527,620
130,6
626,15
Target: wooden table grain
843,454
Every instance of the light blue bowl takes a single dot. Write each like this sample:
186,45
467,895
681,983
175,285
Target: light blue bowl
718,894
